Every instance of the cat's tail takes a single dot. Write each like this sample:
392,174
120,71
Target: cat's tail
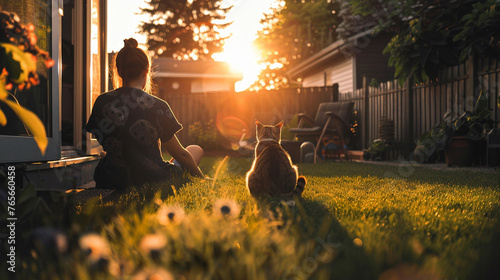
301,185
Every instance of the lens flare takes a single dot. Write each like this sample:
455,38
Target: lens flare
232,128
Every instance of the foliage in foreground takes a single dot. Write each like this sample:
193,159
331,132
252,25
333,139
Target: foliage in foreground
356,221
18,66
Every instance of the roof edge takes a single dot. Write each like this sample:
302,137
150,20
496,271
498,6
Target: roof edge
324,54
193,75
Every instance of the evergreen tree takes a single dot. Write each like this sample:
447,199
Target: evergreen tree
184,29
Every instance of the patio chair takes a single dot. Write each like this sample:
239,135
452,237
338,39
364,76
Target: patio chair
332,121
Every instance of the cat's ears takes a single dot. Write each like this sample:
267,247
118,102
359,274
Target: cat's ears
280,124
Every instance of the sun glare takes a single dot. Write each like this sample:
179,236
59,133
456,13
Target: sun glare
242,57
239,51
244,18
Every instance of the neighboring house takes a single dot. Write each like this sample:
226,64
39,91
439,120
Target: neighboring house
176,76
74,33
345,63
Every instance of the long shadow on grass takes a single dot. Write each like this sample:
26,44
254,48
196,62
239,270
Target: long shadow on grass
486,266
330,251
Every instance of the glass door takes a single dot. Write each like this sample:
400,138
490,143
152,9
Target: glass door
16,144
83,70
97,63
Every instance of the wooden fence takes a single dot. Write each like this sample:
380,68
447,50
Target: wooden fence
414,108
245,107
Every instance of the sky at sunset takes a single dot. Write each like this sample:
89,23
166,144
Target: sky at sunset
124,18
123,22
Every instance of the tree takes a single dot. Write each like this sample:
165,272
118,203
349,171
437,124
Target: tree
428,34
293,31
186,29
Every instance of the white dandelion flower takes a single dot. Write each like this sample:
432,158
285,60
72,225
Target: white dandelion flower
95,246
152,242
170,214
153,274
226,208
114,269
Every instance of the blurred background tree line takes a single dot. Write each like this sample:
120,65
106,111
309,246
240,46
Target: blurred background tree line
291,33
426,34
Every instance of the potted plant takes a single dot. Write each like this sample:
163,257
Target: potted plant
470,130
430,146
459,137
377,151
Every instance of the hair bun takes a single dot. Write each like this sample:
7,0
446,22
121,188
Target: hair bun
130,43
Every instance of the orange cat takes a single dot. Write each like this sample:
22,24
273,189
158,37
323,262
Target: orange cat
272,172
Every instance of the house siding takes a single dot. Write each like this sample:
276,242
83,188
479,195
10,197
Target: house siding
339,70
208,85
172,86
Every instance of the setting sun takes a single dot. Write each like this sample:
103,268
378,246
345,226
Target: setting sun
239,51
244,18
243,58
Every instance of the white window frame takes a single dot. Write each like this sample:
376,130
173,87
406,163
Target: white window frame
92,146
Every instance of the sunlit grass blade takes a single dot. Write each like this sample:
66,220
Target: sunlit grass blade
217,171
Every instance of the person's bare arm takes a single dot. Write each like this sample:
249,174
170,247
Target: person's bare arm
182,156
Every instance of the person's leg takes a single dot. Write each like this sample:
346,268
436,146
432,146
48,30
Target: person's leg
196,151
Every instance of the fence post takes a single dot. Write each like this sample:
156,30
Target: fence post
471,83
335,92
408,121
365,132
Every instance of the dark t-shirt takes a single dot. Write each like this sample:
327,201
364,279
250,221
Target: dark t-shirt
128,123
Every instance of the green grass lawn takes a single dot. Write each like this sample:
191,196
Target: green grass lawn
355,221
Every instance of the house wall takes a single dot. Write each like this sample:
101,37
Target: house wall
166,86
170,85
207,85
339,70
371,62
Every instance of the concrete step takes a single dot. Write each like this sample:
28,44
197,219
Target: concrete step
64,174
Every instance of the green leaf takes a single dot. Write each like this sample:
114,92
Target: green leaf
18,63
481,104
32,122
